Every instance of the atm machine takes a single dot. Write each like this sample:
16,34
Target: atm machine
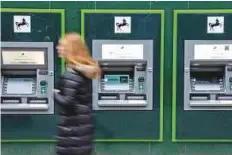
208,75
126,82
27,78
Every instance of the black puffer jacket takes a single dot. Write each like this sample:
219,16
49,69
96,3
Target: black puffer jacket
75,125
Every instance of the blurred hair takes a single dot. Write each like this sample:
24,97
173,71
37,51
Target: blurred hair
78,55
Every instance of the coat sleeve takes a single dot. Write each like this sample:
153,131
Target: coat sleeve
66,96
63,100
58,96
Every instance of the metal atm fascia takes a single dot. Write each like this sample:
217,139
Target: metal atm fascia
207,77
134,98
40,101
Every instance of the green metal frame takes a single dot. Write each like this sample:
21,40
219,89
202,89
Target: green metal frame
174,76
162,13
27,10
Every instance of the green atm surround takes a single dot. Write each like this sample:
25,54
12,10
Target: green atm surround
62,32
121,12
174,75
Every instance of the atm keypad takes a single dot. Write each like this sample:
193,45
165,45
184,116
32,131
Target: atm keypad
141,83
43,87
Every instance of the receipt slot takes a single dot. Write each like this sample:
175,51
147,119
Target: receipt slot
208,75
126,82
27,78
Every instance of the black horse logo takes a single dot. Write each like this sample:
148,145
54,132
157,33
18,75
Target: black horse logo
19,24
212,25
119,25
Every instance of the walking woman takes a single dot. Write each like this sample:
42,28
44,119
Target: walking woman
75,130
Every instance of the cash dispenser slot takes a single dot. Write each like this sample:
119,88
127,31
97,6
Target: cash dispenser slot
34,100
135,97
197,100
223,97
108,99
13,100
199,97
106,96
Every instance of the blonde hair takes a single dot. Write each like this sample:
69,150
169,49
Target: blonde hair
78,54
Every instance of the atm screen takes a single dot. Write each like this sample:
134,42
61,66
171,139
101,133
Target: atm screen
23,57
116,82
24,86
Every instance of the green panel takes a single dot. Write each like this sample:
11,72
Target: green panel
43,29
212,5
149,124
21,4
197,126
72,11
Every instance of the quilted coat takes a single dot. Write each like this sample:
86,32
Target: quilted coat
75,130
